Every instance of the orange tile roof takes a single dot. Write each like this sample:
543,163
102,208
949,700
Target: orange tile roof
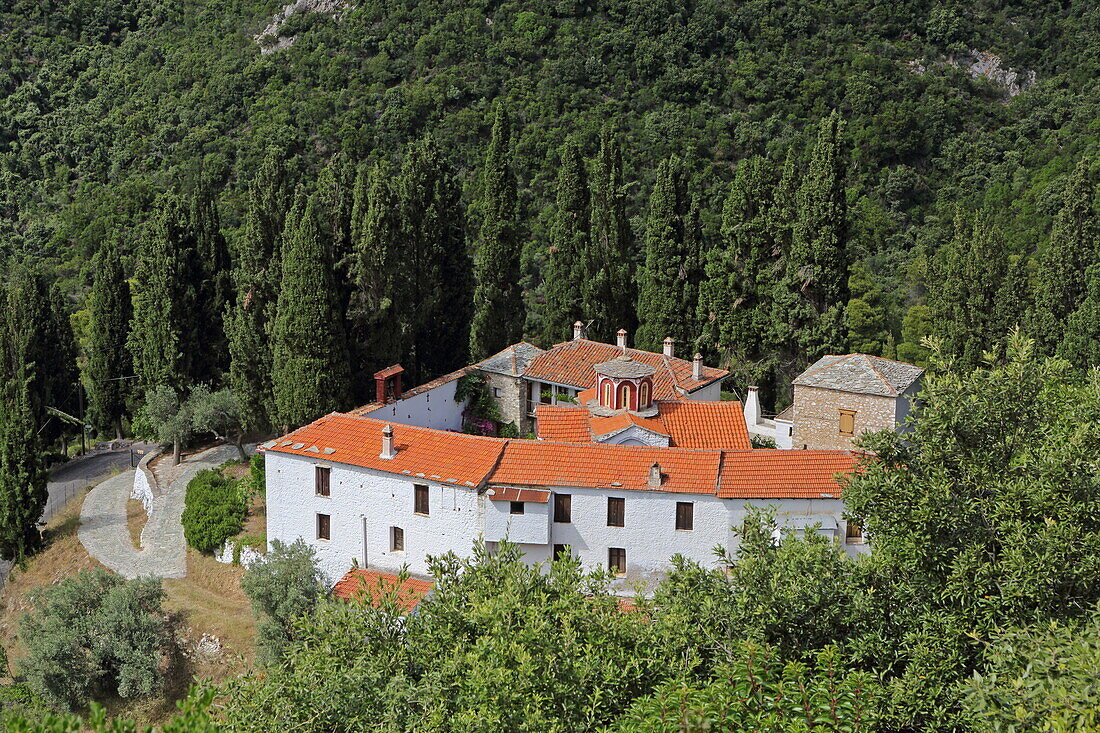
474,461
778,474
509,494
688,424
357,584
450,458
599,466
572,362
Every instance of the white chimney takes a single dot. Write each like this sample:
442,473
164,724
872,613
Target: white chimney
388,451
621,338
751,407
578,330
670,347
697,368
654,476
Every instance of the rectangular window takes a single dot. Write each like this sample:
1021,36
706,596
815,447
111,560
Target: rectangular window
516,508
561,552
323,526
616,560
853,533
616,511
397,539
685,515
420,499
321,480
496,391
546,393
847,422
562,512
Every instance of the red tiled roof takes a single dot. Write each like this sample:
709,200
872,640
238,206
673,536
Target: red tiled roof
474,461
777,474
358,584
688,424
450,458
534,496
572,363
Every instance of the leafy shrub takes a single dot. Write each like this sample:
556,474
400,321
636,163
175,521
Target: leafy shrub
214,510
95,634
257,477
283,586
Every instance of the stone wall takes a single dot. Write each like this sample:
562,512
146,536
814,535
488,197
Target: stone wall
145,483
509,393
817,416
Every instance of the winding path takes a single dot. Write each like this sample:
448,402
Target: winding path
105,535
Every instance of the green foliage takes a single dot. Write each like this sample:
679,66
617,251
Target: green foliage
214,510
284,586
481,414
568,242
194,716
95,634
257,475
108,362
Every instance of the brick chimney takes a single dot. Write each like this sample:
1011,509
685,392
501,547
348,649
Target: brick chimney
387,384
621,338
388,449
655,478
670,347
578,330
697,368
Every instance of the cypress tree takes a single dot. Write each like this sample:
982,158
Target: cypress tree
1060,280
378,307
608,289
310,374
568,241
437,259
668,296
334,200
251,317
61,372
213,291
1081,344
815,267
498,299
110,309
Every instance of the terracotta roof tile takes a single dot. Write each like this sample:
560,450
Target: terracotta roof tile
777,474
572,363
562,424
357,584
508,493
687,424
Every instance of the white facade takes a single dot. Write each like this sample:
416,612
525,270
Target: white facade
427,408
364,506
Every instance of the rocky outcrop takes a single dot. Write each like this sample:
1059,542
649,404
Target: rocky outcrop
981,65
271,38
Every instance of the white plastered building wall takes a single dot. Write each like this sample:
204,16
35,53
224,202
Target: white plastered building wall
430,408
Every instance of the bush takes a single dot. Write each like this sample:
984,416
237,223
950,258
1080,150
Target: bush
284,585
214,510
96,634
257,477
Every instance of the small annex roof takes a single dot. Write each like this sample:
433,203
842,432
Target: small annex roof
573,363
778,474
513,360
360,584
860,373
623,367
687,424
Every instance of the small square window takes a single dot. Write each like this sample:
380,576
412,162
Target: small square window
561,552
616,511
321,478
496,392
324,522
562,508
420,499
616,560
853,533
397,539
685,515
516,508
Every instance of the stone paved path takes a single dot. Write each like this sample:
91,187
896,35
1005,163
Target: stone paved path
105,535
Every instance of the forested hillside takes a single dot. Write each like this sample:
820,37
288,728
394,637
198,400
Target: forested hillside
833,177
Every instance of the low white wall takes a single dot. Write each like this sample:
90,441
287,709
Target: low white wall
248,555
145,483
432,408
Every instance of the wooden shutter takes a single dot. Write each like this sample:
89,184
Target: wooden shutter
397,539
321,480
323,522
562,508
685,515
420,499
616,560
616,511
847,422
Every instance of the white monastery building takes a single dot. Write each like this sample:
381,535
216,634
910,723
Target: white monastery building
634,460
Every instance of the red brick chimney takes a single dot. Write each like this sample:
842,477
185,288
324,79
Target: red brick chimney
387,384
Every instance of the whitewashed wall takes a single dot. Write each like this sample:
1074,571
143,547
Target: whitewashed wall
710,393
530,528
635,435
432,408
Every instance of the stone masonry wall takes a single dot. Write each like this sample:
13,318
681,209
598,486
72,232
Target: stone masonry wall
817,416
511,400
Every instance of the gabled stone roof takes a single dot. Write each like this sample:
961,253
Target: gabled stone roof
512,360
623,367
860,373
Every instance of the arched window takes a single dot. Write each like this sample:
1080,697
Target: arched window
643,396
606,400
624,396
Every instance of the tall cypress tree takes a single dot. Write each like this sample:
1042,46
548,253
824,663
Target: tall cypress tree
22,474
379,306
335,200
498,299
816,265
735,295
568,242
251,317
437,259
213,290
668,297
608,289
1081,344
1074,241
310,373
110,309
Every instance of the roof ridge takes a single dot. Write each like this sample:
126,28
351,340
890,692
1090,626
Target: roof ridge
839,359
871,364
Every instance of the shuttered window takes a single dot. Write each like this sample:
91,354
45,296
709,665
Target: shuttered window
562,508
420,499
321,480
616,560
685,515
397,539
847,422
323,526
616,511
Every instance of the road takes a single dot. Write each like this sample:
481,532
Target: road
69,479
